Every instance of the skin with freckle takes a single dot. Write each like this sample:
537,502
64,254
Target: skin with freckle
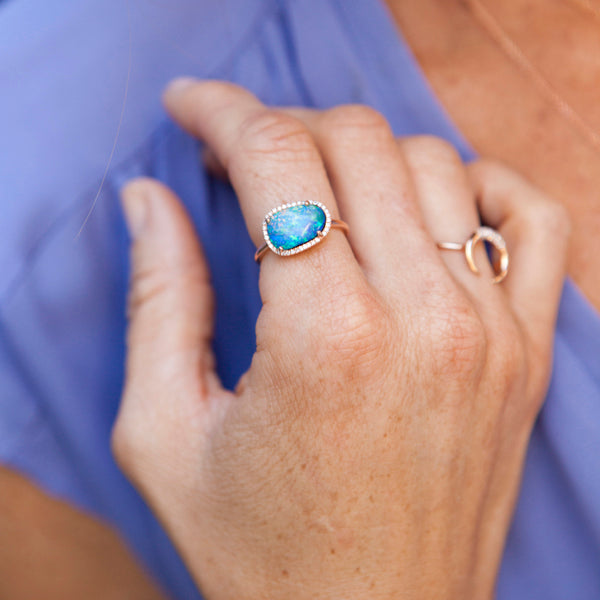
486,96
375,447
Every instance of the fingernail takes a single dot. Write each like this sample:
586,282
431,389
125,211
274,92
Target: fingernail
179,85
136,207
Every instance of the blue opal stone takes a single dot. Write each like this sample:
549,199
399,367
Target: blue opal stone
291,227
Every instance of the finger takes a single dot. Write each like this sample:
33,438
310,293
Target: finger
536,230
170,377
374,190
448,206
271,160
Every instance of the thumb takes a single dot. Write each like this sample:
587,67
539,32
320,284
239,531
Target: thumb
170,369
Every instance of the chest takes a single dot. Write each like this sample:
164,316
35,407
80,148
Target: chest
504,114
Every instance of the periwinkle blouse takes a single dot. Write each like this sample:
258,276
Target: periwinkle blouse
81,79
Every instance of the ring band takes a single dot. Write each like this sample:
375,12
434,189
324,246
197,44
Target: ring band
292,228
483,234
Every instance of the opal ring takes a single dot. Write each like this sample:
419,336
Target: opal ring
292,228
483,234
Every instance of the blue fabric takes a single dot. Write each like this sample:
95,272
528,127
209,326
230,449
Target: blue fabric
67,69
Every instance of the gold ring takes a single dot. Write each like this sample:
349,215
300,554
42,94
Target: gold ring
292,228
483,234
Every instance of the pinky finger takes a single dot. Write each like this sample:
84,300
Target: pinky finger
536,230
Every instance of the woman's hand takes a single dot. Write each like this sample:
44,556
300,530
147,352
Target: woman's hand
374,448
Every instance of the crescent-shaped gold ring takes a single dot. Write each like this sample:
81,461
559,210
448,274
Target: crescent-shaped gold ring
483,234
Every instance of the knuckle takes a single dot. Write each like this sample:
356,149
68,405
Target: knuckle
490,168
538,381
355,333
356,121
432,149
553,219
151,284
274,134
509,368
139,439
458,338
128,445
146,285
510,351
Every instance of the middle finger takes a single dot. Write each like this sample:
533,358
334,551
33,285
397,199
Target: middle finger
376,192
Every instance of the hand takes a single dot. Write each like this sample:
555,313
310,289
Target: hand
374,447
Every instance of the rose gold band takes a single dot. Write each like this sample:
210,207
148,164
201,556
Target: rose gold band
483,234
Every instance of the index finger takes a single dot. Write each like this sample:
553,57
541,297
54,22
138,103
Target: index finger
271,160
